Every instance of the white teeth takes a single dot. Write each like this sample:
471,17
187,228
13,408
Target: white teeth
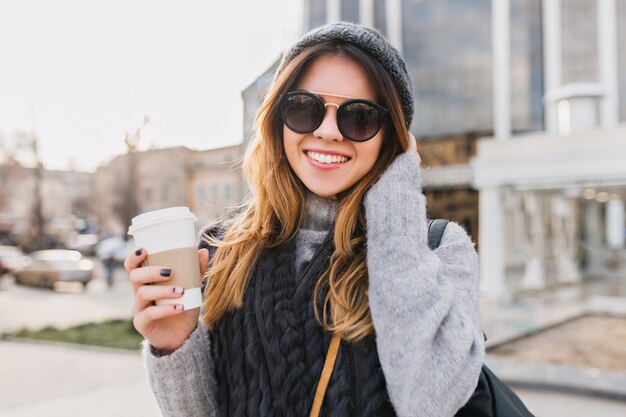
327,159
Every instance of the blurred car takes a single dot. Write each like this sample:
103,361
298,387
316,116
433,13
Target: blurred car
85,244
114,247
11,258
49,266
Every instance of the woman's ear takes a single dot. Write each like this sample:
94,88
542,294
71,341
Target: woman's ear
412,143
412,149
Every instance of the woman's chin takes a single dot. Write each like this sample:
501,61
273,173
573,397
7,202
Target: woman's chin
324,192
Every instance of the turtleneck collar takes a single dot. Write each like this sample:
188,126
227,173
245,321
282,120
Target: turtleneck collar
319,213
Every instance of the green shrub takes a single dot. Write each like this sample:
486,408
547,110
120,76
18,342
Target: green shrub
111,333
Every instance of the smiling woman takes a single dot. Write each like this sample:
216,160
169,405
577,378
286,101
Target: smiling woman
327,263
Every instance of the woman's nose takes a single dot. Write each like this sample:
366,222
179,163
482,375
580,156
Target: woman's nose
328,130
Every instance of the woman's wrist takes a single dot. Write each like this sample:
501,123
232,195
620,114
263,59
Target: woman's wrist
159,352
166,350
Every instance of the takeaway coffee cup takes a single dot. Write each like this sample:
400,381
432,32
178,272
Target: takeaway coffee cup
169,237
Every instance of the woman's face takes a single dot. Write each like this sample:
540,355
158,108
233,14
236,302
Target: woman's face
324,160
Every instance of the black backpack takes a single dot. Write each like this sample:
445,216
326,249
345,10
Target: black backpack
492,397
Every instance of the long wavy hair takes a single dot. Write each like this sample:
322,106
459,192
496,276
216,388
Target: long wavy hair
272,213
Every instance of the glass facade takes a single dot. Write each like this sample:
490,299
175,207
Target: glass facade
317,13
527,87
448,49
380,16
579,37
350,11
621,58
447,46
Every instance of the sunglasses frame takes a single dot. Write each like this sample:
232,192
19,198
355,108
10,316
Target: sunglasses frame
340,108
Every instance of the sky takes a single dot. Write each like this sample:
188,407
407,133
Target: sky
82,73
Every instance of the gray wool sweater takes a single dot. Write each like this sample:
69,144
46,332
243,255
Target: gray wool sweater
424,306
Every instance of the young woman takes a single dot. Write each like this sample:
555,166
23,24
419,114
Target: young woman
333,240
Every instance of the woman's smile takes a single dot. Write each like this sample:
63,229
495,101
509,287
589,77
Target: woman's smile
326,159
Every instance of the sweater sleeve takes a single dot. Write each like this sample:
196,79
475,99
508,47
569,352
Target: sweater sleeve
184,382
424,303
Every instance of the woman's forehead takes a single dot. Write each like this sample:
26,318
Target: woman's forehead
339,75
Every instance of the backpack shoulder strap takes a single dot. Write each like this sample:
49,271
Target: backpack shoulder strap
435,232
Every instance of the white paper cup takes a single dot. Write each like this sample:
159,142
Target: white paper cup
169,238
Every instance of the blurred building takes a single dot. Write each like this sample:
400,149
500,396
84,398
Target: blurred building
214,184
552,200
539,81
448,177
252,97
66,198
208,182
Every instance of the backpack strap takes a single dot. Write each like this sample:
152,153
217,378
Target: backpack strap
435,232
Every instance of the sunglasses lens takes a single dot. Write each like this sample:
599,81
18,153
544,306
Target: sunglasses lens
302,113
360,121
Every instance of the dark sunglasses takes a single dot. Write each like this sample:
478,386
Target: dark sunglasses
357,119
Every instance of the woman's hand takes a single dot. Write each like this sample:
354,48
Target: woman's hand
167,326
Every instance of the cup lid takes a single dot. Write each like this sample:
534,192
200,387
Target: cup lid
159,216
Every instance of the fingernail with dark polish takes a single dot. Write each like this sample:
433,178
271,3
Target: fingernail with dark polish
178,307
166,272
138,252
178,290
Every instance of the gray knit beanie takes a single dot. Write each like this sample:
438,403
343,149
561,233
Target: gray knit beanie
370,41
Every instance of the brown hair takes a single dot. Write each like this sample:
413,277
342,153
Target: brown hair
272,213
